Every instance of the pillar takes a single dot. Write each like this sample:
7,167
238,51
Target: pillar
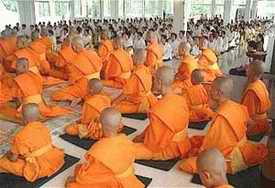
115,9
227,13
26,9
213,8
248,7
182,10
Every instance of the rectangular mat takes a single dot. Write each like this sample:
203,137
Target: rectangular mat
146,181
138,116
161,165
87,143
256,137
198,125
12,181
250,178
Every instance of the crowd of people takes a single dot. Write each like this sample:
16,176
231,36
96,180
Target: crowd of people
132,57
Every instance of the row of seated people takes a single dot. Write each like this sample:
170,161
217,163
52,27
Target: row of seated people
198,92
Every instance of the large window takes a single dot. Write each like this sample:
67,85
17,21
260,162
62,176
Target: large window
62,9
42,10
134,8
266,8
199,7
9,10
93,8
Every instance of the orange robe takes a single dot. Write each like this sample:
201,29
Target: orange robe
89,126
256,99
110,163
166,135
138,92
183,76
209,63
224,186
227,133
85,65
5,86
7,47
154,57
105,49
118,69
28,88
197,100
37,157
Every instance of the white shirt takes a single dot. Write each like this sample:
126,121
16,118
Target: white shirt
167,51
139,44
174,45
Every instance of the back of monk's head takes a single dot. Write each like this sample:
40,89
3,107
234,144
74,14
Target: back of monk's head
77,44
110,120
197,77
255,69
212,168
139,56
104,35
22,65
184,48
22,42
117,42
95,86
165,75
30,113
221,88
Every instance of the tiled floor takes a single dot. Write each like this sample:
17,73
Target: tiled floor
171,179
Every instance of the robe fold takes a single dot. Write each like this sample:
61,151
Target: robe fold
154,57
109,163
85,66
166,135
227,133
7,47
138,92
256,99
89,126
197,100
118,69
36,156
209,63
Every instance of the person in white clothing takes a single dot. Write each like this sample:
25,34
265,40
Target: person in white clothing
139,42
167,49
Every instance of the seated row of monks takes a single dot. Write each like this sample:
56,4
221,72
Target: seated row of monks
198,92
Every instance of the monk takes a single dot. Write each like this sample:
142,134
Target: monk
154,52
208,61
7,45
118,68
197,98
110,161
89,126
166,135
212,169
137,96
256,99
85,65
27,88
188,64
32,154
227,133
105,47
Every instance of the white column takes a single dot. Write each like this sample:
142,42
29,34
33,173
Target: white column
101,9
254,9
227,13
182,10
26,10
248,7
115,9
213,8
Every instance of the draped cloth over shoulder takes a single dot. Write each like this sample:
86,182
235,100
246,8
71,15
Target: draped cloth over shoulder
154,57
166,135
85,66
37,157
256,99
114,170
227,133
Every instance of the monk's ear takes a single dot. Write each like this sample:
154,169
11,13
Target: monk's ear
205,175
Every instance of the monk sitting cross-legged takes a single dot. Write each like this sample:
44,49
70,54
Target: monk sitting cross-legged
212,169
188,64
7,45
256,99
89,126
137,96
197,98
118,69
32,154
84,66
110,161
27,88
208,61
227,133
166,135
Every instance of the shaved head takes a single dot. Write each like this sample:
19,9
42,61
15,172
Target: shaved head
30,112
197,76
110,120
212,161
117,42
151,37
95,86
184,48
224,85
255,69
22,65
166,75
77,44
104,35
139,56
22,42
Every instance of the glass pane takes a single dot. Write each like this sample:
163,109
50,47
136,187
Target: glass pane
62,9
107,8
266,8
200,9
133,8
152,8
8,9
42,10
94,8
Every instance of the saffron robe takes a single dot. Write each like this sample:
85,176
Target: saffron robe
7,47
166,135
109,163
154,57
36,156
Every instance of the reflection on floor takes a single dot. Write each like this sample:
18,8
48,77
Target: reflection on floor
172,179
